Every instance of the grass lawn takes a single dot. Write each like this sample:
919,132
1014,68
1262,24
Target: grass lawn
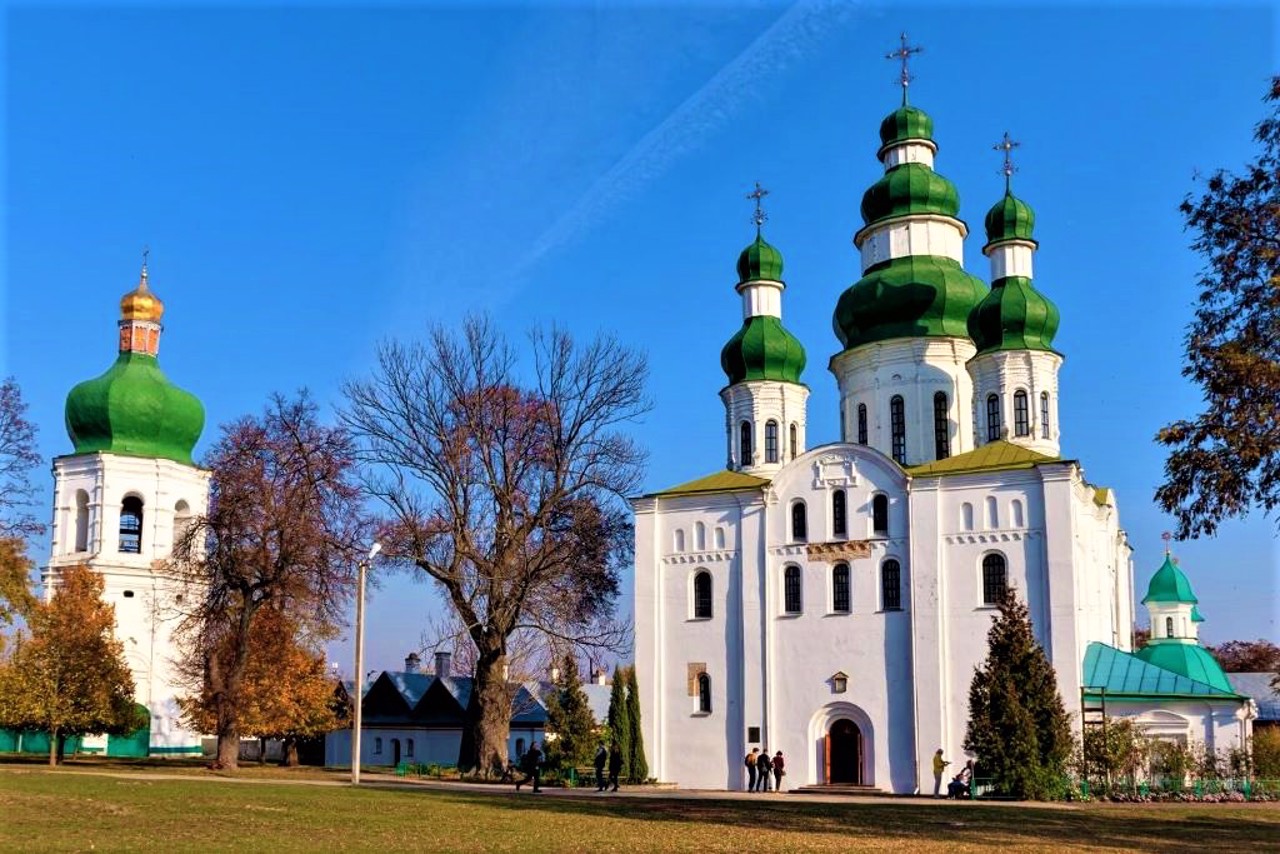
67,810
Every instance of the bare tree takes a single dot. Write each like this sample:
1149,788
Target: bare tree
285,528
505,489
18,456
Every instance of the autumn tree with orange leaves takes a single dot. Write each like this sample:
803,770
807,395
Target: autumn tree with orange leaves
504,485
283,532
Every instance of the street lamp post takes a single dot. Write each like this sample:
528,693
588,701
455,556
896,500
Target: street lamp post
358,700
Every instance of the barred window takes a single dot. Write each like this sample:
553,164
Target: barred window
791,590
898,425
704,693
702,595
862,424
1021,414
794,441
771,441
891,585
880,514
1044,415
993,417
839,514
131,525
941,426
994,579
744,443
840,597
799,522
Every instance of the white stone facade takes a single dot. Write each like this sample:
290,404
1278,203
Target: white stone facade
89,492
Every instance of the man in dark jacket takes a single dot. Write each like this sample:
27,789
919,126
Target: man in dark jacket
764,767
602,758
531,764
615,765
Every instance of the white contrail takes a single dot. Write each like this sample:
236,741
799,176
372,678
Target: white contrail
795,34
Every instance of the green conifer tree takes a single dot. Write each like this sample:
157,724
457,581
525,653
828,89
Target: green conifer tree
1018,727
637,764
620,719
569,717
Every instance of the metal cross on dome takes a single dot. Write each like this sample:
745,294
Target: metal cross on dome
146,250
903,54
1007,145
1166,536
759,217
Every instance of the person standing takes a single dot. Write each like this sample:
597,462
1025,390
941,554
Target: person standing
939,765
751,769
602,759
779,769
765,769
615,765
532,767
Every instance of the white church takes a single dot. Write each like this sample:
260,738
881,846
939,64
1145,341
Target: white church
832,602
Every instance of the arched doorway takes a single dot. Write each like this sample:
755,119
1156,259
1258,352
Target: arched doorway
395,751
844,753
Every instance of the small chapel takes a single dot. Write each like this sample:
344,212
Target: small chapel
832,601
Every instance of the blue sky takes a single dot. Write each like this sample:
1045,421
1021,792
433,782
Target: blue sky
312,179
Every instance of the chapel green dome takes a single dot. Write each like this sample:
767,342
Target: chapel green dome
763,350
905,123
133,409
758,261
1189,659
912,296
1010,219
1170,584
1013,316
909,188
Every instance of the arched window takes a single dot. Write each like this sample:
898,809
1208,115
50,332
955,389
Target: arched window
700,536
941,426
799,522
891,585
719,537
839,514
841,600
744,443
702,595
131,525
880,515
408,748
795,441
1044,415
1021,414
1168,627
993,417
377,745
82,521
181,521
1019,519
966,516
791,601
771,441
993,513
862,424
994,579
704,693
898,426
679,539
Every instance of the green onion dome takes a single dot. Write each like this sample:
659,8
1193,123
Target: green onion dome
1010,219
133,409
1188,659
1170,585
760,261
906,123
1013,316
909,188
763,350
912,296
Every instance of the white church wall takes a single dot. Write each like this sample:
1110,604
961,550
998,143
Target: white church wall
1217,724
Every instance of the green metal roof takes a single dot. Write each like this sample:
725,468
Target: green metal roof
909,188
905,123
1000,455
1013,316
1196,616
1126,674
1009,219
721,481
763,349
909,297
1169,584
133,409
1102,496
759,261
1187,659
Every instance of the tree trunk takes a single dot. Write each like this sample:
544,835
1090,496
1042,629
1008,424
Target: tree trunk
53,747
262,751
488,717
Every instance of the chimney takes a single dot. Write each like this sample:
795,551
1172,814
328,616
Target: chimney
412,663
442,663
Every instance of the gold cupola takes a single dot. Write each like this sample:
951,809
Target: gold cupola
140,303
